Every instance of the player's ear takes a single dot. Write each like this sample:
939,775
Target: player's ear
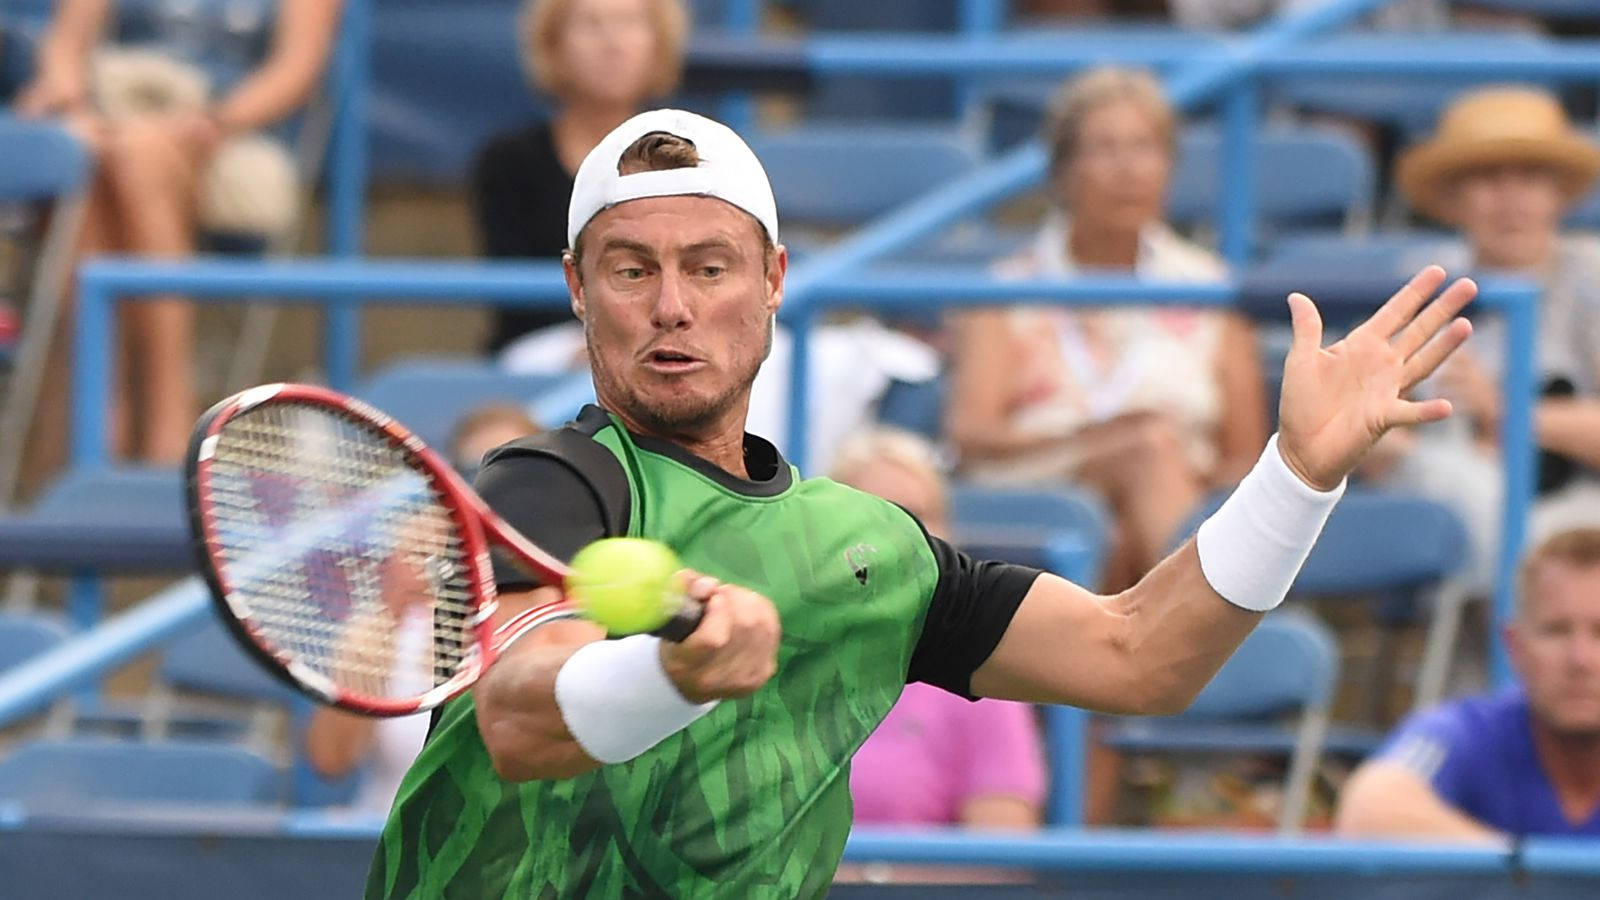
569,270
777,267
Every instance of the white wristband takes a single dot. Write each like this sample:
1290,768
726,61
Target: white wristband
1252,548
618,701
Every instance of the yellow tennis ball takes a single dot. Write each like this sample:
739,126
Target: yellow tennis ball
628,585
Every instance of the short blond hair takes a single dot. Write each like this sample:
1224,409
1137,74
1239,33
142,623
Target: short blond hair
539,27
896,447
1576,547
1097,87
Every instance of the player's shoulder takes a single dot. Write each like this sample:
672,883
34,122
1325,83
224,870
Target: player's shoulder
568,456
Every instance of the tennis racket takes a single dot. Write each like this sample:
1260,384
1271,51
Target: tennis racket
349,558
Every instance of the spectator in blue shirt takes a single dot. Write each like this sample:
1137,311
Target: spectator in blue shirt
1522,762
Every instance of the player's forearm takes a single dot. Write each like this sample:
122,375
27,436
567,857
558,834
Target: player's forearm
1570,428
1146,651
521,724
1179,631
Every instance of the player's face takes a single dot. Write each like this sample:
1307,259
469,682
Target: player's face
677,309
1116,179
1509,214
607,50
1555,643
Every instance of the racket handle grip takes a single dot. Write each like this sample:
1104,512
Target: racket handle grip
683,622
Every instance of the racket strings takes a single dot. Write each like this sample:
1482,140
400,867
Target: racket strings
339,552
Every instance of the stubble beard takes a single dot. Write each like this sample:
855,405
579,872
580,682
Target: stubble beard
680,413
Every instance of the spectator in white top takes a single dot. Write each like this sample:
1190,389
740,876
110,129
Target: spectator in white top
1151,407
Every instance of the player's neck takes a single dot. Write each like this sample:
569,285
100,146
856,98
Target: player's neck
720,443
1572,763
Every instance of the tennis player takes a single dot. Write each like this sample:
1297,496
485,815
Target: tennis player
586,767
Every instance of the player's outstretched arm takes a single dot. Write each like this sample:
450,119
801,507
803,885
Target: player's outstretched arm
1153,647
562,701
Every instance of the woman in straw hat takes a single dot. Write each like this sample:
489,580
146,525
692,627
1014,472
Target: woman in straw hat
1504,167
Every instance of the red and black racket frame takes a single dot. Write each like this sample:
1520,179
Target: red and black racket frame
467,511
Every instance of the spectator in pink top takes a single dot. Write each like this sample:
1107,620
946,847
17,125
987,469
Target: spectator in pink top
937,759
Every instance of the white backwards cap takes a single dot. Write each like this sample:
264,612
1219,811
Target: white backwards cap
728,170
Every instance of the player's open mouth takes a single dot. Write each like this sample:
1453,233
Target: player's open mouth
672,362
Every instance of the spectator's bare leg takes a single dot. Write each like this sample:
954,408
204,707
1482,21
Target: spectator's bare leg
155,181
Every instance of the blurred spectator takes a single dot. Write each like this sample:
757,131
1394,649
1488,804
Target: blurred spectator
937,759
338,742
1153,408
1522,762
1504,167
598,61
172,107
486,428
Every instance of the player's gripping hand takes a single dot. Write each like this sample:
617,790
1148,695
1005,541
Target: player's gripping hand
1338,400
733,651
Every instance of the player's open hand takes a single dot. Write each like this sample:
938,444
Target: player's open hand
1338,400
734,649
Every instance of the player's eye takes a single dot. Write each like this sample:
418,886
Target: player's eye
712,271
631,273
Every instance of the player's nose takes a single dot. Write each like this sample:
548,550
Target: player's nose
670,311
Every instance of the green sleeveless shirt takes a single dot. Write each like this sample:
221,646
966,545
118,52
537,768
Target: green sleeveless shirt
752,800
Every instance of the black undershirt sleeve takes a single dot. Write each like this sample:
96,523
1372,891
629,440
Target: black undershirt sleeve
973,604
546,499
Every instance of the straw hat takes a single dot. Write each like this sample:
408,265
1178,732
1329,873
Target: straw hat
1498,125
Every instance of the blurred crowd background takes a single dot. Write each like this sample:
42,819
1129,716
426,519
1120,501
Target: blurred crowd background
1369,707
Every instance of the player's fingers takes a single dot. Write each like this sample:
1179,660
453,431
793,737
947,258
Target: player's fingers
1306,324
1437,315
1408,412
715,628
699,587
1428,360
1400,308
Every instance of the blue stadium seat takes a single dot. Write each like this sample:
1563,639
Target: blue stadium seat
831,176
101,522
23,637
857,97
1287,666
1409,104
914,406
1550,10
430,395
998,518
1305,176
118,520
1393,544
206,688
1328,250
81,775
